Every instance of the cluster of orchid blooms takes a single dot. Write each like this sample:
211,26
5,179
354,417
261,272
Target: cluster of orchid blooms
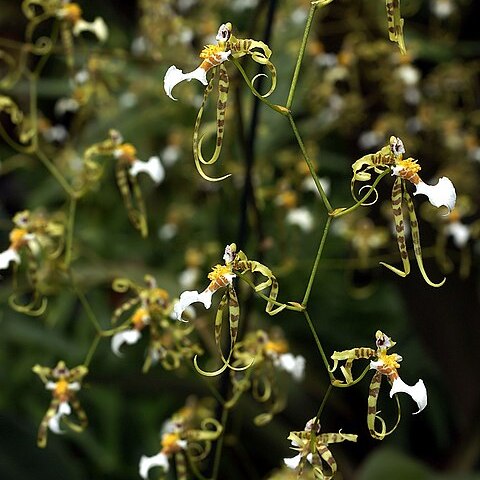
256,361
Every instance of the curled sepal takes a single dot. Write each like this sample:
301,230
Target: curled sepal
8,106
35,308
122,285
253,266
395,24
210,430
349,356
373,415
416,240
196,130
263,59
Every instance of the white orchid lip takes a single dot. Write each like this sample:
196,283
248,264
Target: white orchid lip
128,336
98,27
153,167
418,392
459,232
441,194
293,462
174,76
146,463
54,423
9,255
189,297
295,365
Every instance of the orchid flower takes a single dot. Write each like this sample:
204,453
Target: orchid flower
213,59
312,448
72,13
390,158
385,365
64,384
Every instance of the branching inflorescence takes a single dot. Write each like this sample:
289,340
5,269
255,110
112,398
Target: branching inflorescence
44,242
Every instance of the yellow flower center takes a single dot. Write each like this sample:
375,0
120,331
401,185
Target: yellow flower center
72,12
61,388
220,271
409,165
389,360
17,238
280,346
210,50
127,152
170,443
139,316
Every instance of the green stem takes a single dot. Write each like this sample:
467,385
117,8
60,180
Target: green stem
322,405
55,172
338,212
71,223
310,165
91,350
301,54
317,261
86,306
218,451
277,108
319,345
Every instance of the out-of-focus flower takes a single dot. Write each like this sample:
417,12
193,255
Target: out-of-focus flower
312,448
64,385
71,12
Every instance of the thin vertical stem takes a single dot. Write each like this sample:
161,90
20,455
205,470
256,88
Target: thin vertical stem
319,344
301,54
218,451
324,401
317,260
70,227
92,349
310,164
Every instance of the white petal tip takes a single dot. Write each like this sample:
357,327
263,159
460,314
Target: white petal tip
418,392
174,76
441,194
8,256
152,167
128,336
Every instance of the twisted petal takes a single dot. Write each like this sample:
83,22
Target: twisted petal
418,392
54,423
146,463
443,193
8,256
153,167
174,76
189,297
295,365
128,336
98,27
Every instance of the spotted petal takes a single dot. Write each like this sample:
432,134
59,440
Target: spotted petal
174,76
153,167
418,392
441,194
